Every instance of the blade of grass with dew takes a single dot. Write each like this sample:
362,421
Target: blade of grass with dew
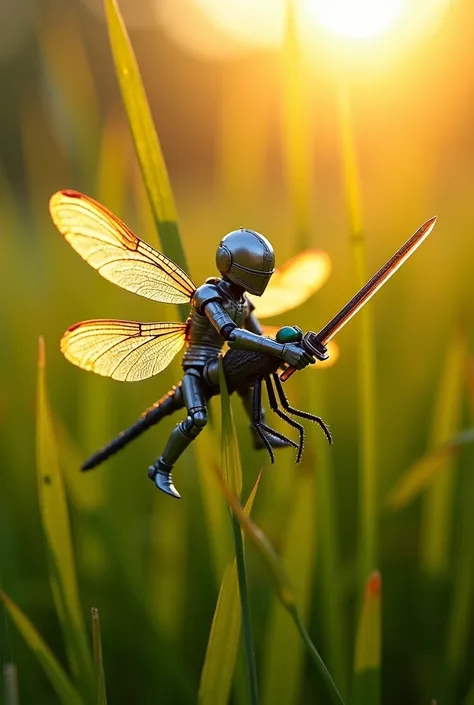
101,697
10,685
55,520
280,581
232,472
222,647
368,536
145,138
438,508
284,653
65,690
368,651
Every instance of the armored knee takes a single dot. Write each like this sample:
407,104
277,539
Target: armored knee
194,423
199,418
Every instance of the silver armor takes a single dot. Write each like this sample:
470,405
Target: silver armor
220,312
204,339
246,258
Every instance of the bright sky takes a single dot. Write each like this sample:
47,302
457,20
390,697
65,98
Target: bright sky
217,27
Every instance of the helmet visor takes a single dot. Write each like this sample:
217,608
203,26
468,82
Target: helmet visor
252,281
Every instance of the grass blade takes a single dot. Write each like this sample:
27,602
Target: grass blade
283,660
461,610
368,539
280,581
418,477
57,677
221,653
366,687
232,470
438,509
297,136
230,454
10,680
144,135
101,697
55,519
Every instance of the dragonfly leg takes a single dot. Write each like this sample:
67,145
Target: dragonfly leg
246,395
264,431
274,406
256,422
296,412
183,434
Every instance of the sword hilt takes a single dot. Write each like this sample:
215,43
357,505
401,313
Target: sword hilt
312,346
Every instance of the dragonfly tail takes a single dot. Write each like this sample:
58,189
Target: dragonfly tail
165,406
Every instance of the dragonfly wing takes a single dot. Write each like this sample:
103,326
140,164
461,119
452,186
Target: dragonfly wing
293,283
108,245
124,350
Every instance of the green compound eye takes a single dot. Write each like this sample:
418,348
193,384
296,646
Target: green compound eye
288,334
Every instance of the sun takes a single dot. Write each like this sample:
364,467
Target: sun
356,18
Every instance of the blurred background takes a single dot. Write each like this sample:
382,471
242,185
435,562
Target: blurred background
340,126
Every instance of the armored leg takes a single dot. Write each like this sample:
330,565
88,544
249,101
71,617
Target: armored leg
184,433
246,395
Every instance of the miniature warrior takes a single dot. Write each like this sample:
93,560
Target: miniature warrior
221,312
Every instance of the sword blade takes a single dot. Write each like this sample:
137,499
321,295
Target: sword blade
373,285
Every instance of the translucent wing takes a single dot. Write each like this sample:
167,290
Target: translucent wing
291,285
124,350
333,349
118,255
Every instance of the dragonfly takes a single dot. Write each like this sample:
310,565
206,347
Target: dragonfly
225,309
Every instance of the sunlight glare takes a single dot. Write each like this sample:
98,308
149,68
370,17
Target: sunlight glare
355,18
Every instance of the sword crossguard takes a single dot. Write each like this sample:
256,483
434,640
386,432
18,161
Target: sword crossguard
314,347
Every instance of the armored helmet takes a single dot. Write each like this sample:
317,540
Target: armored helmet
247,259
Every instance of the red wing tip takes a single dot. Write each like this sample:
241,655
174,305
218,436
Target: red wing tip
68,192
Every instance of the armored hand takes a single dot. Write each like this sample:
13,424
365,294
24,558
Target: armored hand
296,356
290,353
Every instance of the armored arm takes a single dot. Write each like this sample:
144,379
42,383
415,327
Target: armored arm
240,339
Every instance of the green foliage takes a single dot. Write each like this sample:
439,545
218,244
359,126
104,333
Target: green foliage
145,139
368,650
55,519
154,567
222,647
98,661
65,690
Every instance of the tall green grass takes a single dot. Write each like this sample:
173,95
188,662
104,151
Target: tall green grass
163,576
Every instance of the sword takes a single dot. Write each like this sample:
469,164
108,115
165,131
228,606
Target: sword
315,343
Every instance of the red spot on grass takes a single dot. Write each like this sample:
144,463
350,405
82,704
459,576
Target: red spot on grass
374,584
